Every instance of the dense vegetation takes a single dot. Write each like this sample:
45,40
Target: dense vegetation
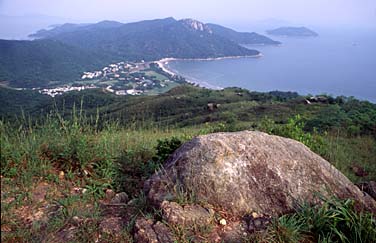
96,141
152,40
188,105
30,64
68,27
15,102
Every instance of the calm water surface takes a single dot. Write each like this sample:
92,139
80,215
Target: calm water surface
336,63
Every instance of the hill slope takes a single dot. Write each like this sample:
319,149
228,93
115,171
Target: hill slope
188,105
34,63
152,40
68,27
242,37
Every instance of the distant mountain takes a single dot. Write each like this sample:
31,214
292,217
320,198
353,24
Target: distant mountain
64,28
34,63
292,31
65,51
241,37
149,40
68,27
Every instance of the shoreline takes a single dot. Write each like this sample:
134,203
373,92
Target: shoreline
162,63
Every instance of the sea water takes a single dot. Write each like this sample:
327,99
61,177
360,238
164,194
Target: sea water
338,62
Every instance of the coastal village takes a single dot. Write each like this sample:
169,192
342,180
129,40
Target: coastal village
123,78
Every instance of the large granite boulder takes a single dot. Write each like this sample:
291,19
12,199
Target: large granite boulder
245,172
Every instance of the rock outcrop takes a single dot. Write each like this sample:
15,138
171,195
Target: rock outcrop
245,172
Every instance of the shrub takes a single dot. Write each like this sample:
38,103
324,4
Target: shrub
166,147
134,166
295,129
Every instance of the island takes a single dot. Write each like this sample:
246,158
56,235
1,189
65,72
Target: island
293,32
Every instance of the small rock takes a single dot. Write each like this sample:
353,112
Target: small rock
175,214
164,234
222,222
84,190
258,224
255,215
61,175
121,197
234,232
133,202
148,232
144,232
76,220
76,190
112,225
110,194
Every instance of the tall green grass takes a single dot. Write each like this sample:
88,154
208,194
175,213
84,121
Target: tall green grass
341,150
333,221
91,153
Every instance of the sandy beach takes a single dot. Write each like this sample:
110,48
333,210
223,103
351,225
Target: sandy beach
163,64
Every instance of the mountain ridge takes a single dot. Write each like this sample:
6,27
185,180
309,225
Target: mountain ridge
151,40
235,36
76,48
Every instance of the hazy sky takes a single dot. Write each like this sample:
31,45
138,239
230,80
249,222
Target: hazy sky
232,12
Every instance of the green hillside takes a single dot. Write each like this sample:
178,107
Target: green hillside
36,63
153,40
187,105
61,157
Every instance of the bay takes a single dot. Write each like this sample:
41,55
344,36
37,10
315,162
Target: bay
338,62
